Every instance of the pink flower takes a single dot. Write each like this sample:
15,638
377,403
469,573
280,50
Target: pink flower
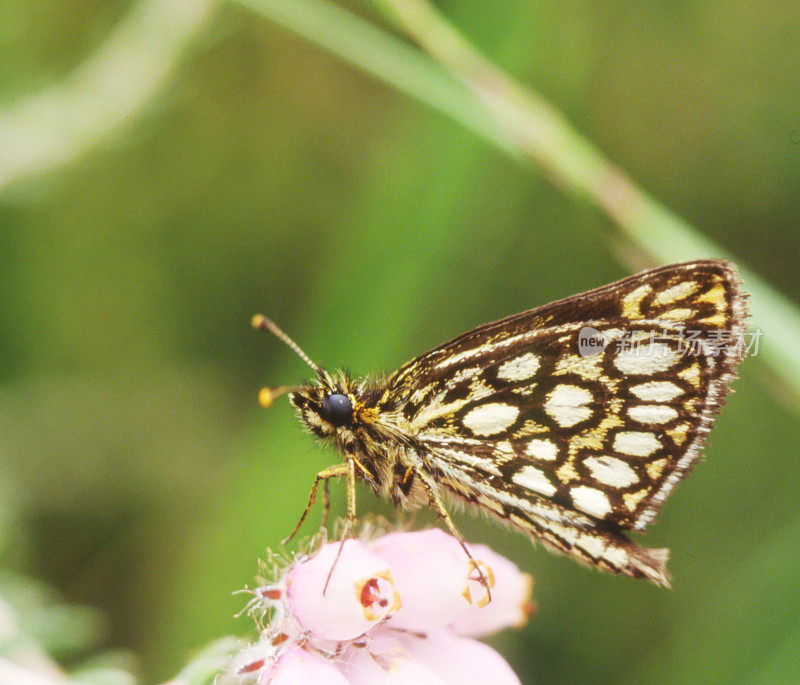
361,592
403,608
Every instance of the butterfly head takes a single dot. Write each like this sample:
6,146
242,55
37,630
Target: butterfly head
328,405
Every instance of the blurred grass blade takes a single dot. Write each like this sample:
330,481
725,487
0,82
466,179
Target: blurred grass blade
468,88
53,127
385,57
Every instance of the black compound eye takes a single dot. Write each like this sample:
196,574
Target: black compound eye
337,409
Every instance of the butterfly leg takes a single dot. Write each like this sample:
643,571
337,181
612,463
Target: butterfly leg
438,504
338,471
326,503
350,517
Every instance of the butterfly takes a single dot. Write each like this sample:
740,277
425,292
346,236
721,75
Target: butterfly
571,422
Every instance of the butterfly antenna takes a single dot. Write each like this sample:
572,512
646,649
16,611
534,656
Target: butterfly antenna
261,322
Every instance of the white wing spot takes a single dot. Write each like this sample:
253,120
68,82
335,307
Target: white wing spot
463,375
532,478
592,501
680,314
611,471
636,443
675,293
567,533
542,449
565,404
593,545
419,394
652,413
491,418
616,556
519,368
456,358
632,301
656,391
646,358
504,447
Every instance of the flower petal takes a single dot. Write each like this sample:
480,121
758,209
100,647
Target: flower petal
360,594
432,574
298,666
459,660
385,662
511,604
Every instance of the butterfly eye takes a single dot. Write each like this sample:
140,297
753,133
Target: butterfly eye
337,409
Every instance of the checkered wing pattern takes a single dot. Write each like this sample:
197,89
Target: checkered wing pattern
575,420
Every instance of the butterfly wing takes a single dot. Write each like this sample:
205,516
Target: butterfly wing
528,417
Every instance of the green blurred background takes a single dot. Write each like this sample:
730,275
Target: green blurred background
137,473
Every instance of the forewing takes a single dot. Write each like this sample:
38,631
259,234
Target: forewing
534,414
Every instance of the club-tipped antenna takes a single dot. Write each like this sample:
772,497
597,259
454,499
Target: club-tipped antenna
261,322
266,396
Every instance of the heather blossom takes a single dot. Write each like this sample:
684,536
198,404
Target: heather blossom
405,607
